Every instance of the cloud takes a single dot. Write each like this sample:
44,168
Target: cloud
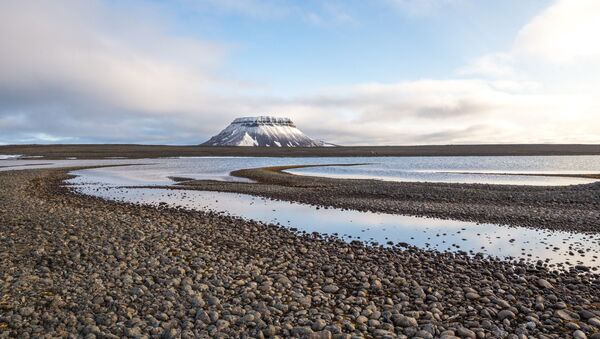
82,53
84,62
446,111
91,72
559,42
566,32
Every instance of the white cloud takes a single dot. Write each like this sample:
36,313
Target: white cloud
81,52
566,32
77,67
444,111
85,72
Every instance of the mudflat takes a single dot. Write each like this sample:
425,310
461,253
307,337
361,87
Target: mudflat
100,151
81,266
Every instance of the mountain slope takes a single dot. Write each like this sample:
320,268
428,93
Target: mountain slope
262,131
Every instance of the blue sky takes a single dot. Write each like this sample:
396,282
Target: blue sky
293,45
349,72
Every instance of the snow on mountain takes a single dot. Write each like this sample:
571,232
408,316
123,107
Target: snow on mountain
262,131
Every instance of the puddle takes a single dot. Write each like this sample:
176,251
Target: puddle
558,249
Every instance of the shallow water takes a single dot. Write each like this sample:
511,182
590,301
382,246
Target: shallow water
559,249
431,169
485,170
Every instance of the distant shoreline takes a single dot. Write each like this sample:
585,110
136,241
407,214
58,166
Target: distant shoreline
102,151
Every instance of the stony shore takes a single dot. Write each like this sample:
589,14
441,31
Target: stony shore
77,266
569,208
100,151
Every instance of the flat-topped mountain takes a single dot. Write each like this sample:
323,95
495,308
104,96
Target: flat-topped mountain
262,131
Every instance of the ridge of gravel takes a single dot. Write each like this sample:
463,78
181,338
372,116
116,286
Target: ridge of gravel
574,208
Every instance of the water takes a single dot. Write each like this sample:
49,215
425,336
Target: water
485,170
558,249
432,169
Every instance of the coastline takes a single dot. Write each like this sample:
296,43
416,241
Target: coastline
81,265
132,151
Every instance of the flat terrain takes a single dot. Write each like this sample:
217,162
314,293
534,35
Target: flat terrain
91,151
80,266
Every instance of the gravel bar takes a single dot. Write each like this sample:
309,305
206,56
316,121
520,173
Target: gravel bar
573,208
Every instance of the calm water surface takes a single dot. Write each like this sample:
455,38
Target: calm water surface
432,169
556,248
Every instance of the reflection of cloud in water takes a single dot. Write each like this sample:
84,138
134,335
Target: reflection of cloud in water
440,234
433,169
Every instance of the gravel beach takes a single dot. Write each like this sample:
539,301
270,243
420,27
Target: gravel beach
99,151
77,266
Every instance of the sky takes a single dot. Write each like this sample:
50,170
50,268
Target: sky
350,72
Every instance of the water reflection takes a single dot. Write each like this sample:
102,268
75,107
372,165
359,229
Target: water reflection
431,169
559,249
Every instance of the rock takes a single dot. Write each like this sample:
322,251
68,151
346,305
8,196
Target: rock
404,321
331,288
423,334
506,314
302,331
361,319
561,305
472,296
465,333
544,284
594,322
318,325
133,332
562,314
270,331
585,314
222,324
212,300
579,335
321,335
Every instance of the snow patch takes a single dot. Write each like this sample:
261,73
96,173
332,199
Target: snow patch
247,140
262,131
9,156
